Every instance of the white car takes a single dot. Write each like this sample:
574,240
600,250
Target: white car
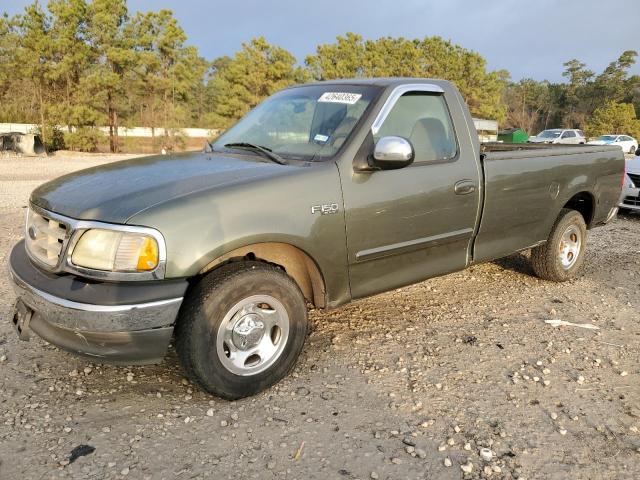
560,135
630,199
627,143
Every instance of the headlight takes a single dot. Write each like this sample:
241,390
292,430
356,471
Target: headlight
116,251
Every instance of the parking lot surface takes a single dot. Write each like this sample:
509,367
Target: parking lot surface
456,377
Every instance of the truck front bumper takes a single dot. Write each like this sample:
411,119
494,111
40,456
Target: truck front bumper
122,323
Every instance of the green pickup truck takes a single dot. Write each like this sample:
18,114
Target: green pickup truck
323,194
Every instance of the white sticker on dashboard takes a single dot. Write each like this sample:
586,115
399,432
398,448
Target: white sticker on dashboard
340,97
321,138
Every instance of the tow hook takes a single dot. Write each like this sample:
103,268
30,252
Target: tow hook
21,320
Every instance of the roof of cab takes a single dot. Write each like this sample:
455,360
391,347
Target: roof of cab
378,81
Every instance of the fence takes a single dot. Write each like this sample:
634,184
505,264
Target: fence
122,131
488,130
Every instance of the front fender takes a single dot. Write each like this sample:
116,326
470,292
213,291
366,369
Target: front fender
203,226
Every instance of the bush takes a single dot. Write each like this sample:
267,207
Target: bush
172,141
52,138
83,139
614,117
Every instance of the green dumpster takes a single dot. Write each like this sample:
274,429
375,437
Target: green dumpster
513,135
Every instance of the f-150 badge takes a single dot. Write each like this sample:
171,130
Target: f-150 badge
325,208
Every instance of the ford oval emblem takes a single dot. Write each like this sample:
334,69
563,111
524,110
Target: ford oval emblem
32,232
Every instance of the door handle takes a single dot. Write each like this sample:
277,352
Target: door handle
464,187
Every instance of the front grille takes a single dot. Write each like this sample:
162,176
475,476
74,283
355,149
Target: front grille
45,238
633,201
635,178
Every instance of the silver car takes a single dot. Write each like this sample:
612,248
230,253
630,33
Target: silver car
560,135
631,187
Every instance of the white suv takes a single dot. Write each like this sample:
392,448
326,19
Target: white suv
559,135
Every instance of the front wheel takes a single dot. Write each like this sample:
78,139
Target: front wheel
241,329
562,256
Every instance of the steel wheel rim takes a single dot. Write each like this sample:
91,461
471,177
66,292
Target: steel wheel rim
252,335
570,245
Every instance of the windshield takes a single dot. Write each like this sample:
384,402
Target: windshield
302,123
549,134
607,138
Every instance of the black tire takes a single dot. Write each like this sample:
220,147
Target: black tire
546,259
203,311
632,150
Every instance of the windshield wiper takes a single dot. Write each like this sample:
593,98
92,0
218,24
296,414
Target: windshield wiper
258,148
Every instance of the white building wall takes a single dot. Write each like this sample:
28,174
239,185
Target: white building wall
122,131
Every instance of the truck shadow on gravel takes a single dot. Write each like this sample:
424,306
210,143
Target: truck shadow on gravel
518,262
632,216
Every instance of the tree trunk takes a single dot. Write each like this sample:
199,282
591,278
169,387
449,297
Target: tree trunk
42,125
113,124
116,137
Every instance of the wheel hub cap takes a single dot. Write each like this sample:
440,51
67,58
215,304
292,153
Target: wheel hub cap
248,332
252,335
570,245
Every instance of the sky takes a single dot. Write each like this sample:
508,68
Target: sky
530,39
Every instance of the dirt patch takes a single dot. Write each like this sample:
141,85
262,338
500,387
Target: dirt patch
396,386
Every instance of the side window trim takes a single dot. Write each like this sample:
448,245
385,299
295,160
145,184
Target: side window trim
395,95
417,87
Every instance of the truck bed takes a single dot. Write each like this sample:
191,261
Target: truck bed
526,185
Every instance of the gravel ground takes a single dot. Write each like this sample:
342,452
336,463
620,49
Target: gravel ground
456,377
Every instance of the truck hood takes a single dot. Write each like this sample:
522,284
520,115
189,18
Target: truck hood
116,191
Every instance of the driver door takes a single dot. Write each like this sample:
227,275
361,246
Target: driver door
409,224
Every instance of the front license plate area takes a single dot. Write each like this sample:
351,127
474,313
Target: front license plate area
21,318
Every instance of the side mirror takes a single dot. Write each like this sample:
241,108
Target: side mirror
391,153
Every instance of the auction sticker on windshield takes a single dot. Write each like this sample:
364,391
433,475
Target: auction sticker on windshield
340,97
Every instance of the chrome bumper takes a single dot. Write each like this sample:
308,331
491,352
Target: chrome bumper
630,198
125,334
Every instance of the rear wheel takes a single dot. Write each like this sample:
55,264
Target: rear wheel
241,329
632,150
562,256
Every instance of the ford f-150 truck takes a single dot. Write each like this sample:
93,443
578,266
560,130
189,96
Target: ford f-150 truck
323,194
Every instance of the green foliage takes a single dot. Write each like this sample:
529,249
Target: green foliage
538,105
432,57
86,63
168,76
238,84
81,64
529,104
114,56
614,117
84,139
54,138
8,40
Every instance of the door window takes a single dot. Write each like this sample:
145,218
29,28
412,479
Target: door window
423,119
569,134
